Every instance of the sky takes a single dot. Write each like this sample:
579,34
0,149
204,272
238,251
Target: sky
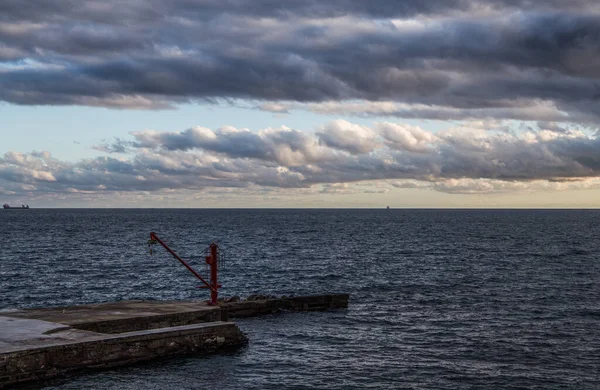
300,103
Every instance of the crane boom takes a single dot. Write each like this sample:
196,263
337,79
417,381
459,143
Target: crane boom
210,260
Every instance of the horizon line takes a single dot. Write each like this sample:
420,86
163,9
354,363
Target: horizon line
312,208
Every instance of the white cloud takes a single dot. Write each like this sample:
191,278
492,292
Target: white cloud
517,109
407,137
343,135
465,158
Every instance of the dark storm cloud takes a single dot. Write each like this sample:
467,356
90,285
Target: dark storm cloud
111,11
460,54
284,146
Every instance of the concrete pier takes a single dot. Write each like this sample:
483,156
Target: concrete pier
38,344
38,356
125,316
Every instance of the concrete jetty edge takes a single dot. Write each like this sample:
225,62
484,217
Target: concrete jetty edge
44,343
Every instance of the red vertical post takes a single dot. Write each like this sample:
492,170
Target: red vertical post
214,292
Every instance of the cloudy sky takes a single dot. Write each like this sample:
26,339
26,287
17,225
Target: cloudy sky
300,103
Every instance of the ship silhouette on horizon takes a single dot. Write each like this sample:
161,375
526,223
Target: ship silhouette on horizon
6,206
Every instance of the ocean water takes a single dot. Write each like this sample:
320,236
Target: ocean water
439,298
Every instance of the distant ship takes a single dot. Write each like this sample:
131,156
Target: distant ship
23,207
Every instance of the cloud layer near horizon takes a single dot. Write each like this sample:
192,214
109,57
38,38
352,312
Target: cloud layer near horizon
462,159
457,59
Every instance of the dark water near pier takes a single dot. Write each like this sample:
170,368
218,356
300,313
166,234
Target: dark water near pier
440,298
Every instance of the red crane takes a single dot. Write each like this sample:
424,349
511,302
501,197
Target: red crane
211,260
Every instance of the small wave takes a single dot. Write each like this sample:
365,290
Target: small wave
593,313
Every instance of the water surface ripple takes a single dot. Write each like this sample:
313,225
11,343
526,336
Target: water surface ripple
440,298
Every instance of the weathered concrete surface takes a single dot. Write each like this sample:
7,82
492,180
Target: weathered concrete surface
125,316
20,333
59,358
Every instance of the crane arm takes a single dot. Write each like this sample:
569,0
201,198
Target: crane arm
154,239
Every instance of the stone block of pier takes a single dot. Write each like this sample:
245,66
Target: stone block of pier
261,305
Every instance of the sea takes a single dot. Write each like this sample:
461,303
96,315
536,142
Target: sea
440,299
